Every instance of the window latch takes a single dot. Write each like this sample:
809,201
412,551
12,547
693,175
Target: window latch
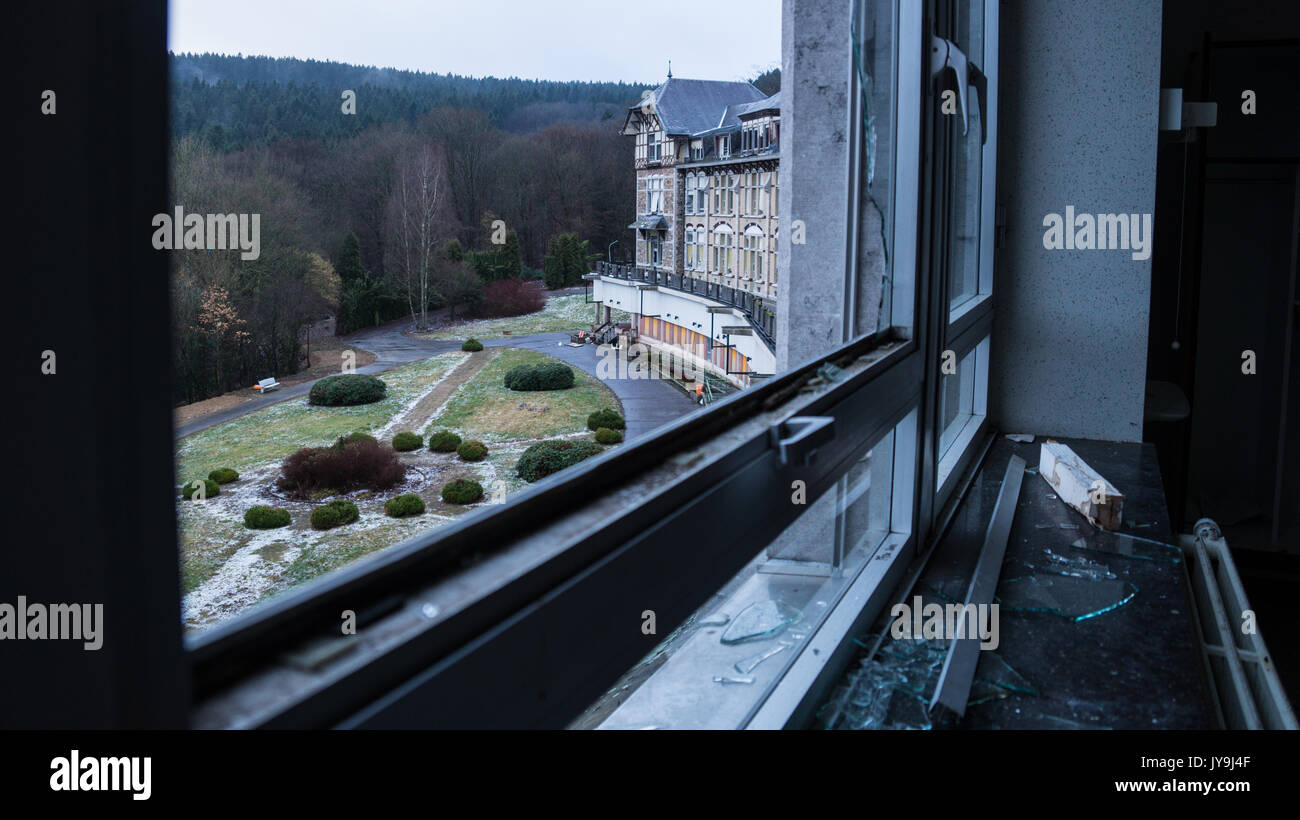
797,439
944,55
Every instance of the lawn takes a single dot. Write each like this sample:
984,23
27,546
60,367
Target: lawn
276,431
570,312
485,409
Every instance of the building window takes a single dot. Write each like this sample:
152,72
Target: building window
724,194
755,194
656,241
755,251
694,249
724,248
654,195
692,185
724,146
654,146
697,149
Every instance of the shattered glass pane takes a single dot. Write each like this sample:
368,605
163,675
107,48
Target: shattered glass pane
1078,566
1130,546
747,665
994,671
759,621
1076,599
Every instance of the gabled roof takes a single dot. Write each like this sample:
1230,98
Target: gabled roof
692,106
772,103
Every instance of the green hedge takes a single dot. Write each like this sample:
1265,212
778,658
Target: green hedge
605,418
472,451
225,475
607,436
444,441
191,489
472,346
266,518
406,442
347,389
335,513
546,457
403,506
462,491
549,376
352,438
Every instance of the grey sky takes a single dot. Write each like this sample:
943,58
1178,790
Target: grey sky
534,39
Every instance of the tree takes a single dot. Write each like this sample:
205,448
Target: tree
566,262
349,266
457,283
419,203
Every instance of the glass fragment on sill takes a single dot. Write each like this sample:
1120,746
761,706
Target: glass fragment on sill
725,680
1072,598
717,619
1068,526
994,671
951,589
747,665
765,619
1079,567
1130,546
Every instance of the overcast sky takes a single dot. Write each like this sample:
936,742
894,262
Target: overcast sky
606,40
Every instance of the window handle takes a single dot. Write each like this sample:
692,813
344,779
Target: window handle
944,54
797,439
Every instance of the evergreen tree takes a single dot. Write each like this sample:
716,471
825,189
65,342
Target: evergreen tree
349,266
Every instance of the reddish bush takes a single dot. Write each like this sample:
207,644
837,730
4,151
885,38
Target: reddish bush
360,463
511,297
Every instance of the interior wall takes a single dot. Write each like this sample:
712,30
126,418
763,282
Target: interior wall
1080,89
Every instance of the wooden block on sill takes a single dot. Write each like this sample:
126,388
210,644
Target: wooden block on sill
1080,486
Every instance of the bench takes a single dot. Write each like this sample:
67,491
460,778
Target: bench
266,385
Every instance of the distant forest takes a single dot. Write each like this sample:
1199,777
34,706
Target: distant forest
381,213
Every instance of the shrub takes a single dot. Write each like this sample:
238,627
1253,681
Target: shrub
605,418
404,505
549,376
607,436
335,513
191,489
472,451
353,437
511,297
462,491
266,518
472,346
225,475
351,464
347,389
444,441
546,457
406,442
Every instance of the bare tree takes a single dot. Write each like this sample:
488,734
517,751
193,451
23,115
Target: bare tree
418,217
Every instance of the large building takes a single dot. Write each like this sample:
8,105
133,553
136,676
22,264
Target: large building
704,285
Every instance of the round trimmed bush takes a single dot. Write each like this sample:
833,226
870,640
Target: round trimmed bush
546,457
354,438
607,436
190,491
406,442
444,441
225,475
335,513
266,518
405,505
549,376
472,451
462,491
607,419
472,346
347,389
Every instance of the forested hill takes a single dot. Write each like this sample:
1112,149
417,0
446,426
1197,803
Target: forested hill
234,102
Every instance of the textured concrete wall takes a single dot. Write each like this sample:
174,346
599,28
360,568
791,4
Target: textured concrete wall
1078,126
816,57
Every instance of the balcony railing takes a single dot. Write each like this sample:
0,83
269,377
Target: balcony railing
758,312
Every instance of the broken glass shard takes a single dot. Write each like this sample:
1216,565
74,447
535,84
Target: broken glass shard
759,621
1130,546
748,665
727,680
1078,566
1076,599
718,619
995,671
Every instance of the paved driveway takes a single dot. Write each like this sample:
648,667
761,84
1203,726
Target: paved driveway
647,403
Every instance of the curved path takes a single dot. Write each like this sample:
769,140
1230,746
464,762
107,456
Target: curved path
647,403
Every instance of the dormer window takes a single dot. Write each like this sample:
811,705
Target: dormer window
724,146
